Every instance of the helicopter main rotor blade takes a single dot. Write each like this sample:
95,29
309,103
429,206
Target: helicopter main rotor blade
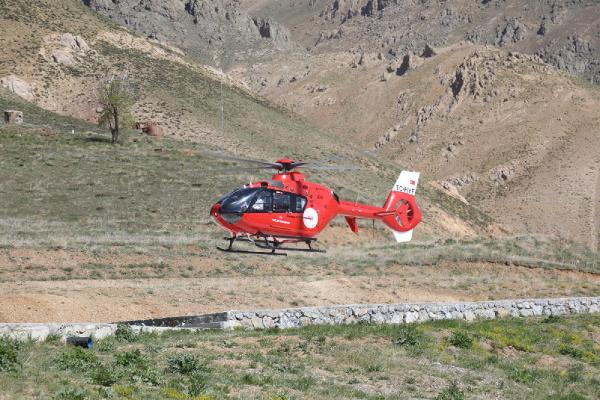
297,164
241,159
238,169
309,165
331,167
329,159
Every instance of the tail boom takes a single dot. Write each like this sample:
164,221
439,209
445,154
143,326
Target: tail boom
400,211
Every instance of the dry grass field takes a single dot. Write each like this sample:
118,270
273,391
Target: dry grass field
93,232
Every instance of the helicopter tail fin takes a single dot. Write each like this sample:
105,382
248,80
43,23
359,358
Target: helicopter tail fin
401,211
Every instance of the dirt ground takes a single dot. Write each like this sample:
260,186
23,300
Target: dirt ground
76,289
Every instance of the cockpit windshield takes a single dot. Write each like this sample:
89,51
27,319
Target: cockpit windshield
261,200
239,200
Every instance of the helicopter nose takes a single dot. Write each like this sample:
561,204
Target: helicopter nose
214,211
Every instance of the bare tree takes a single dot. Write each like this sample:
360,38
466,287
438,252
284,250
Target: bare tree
116,100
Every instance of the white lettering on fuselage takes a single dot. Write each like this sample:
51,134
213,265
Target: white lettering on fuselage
405,189
281,221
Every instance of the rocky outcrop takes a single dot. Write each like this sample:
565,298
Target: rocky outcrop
554,29
73,42
18,86
65,49
347,9
511,32
270,29
576,56
409,61
206,29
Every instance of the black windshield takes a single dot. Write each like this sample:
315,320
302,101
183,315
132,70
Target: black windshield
261,200
239,200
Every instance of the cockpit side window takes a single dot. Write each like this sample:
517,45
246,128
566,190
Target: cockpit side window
262,202
281,202
298,203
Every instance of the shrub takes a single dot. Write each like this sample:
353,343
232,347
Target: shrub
149,375
523,375
53,338
105,376
69,393
77,360
107,345
125,333
136,365
460,339
197,386
133,358
123,391
250,379
171,393
571,351
452,392
374,368
575,373
9,355
551,319
411,337
184,363
568,396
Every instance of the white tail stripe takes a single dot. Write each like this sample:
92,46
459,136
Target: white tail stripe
407,182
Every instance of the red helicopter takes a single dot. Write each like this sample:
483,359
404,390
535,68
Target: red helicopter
289,209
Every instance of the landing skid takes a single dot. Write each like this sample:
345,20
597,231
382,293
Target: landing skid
271,244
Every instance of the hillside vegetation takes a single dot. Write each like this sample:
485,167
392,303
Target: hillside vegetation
543,358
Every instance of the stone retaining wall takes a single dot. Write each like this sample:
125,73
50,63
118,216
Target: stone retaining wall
297,317
39,332
409,313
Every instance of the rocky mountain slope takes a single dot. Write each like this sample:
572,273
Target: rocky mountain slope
565,34
215,32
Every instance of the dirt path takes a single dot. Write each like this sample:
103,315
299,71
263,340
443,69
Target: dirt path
121,299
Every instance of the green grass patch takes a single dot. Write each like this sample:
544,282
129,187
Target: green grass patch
322,362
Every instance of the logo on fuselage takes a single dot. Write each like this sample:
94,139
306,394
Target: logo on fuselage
310,218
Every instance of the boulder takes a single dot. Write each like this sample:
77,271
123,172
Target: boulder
64,57
73,42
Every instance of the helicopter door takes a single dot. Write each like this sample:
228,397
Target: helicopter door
287,212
